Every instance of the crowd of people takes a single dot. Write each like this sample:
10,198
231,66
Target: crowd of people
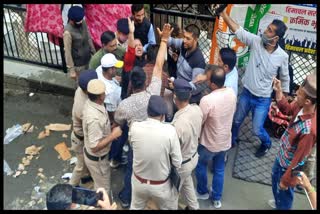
170,109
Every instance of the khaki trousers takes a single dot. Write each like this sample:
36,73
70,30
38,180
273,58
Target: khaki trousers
165,196
100,172
80,170
310,164
187,188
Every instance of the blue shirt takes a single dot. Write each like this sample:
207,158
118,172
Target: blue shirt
232,80
151,39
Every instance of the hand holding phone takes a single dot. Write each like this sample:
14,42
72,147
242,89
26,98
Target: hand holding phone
85,196
106,202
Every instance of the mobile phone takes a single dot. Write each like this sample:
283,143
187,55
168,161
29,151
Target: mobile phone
85,196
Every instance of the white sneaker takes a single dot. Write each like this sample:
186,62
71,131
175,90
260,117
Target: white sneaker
203,196
272,203
217,204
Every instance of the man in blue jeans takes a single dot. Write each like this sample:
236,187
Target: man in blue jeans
267,59
218,109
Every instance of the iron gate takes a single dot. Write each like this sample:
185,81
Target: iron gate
29,47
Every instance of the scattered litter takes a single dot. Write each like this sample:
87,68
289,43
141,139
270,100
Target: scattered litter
63,151
37,157
32,150
31,203
21,167
24,172
40,200
73,160
58,127
29,157
52,177
41,175
44,134
31,94
37,189
30,129
25,161
59,157
17,174
41,181
67,175
6,168
21,201
26,127
40,169
64,136
12,133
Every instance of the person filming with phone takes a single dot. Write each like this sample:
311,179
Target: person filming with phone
66,197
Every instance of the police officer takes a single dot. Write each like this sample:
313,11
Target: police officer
153,142
98,135
80,99
187,121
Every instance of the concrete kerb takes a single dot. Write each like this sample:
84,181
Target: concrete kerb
26,76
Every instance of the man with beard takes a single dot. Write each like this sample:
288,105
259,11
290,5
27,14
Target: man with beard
78,45
143,28
267,60
109,45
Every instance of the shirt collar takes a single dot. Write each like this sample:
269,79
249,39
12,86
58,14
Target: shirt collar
181,111
97,106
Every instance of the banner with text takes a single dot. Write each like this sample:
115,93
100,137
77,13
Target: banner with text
300,20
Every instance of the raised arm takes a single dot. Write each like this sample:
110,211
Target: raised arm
231,24
165,34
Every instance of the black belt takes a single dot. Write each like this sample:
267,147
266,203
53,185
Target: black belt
78,136
94,158
186,161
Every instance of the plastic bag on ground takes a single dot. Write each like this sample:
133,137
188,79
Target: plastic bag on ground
12,133
6,168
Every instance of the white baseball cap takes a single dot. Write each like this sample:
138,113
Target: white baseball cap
109,60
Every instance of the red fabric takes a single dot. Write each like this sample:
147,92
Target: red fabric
277,117
45,18
129,58
103,17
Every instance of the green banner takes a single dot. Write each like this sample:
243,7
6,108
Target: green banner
251,24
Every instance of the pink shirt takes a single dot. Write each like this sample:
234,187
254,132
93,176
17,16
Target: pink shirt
218,109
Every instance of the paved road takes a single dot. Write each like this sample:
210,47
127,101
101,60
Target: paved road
42,109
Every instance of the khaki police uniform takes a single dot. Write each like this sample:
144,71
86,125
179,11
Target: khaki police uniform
96,126
152,142
187,122
80,169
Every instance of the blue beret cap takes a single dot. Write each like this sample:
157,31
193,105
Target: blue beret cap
122,26
76,13
85,78
157,106
182,85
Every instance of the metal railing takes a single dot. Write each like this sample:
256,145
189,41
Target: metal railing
183,15
29,47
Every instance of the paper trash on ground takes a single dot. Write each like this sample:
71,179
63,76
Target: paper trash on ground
58,127
63,151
